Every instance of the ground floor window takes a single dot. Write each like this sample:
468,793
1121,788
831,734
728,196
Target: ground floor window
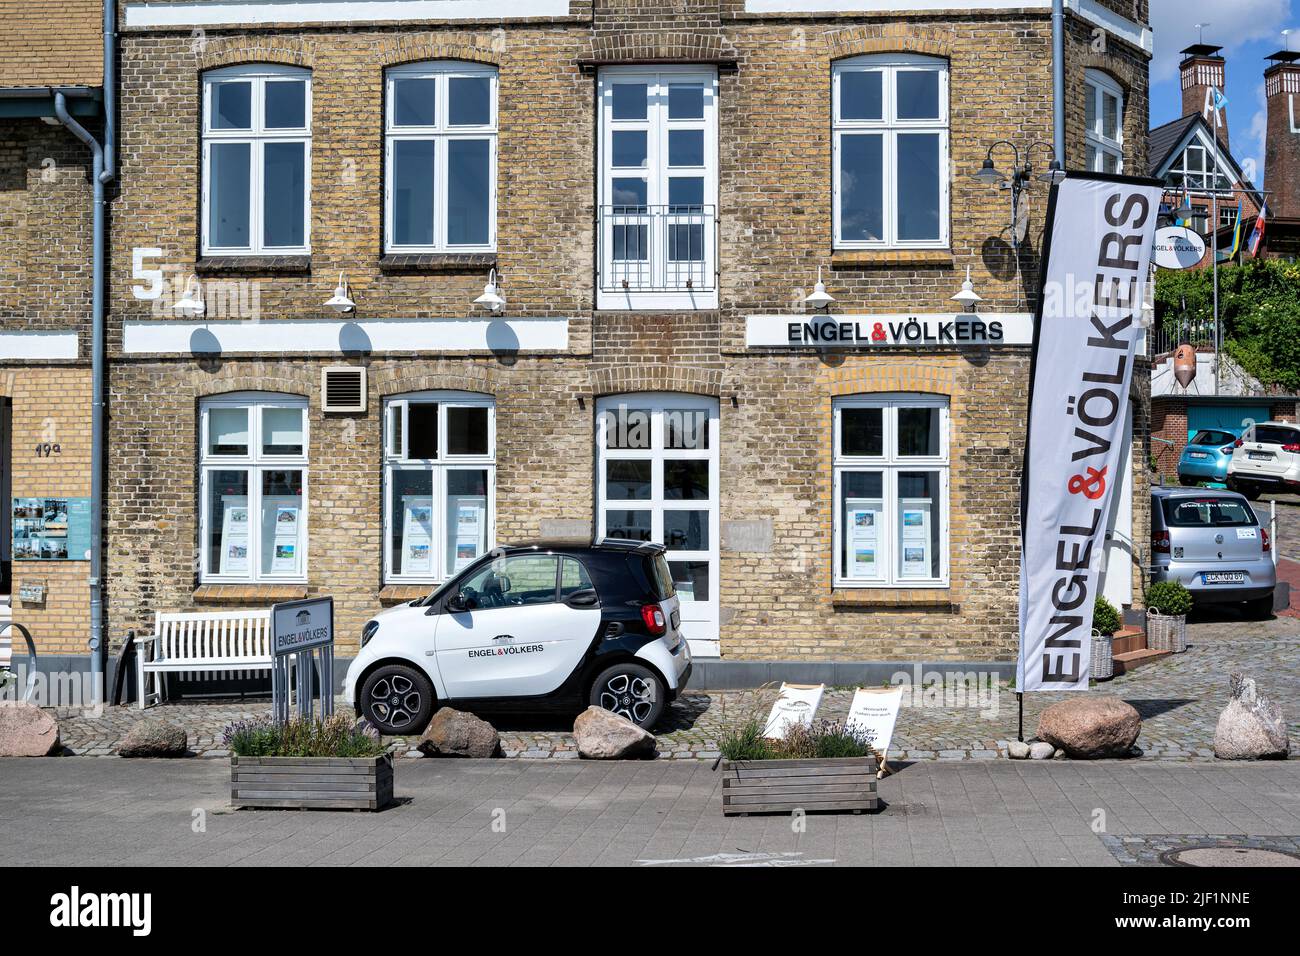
439,483
891,491
253,505
657,480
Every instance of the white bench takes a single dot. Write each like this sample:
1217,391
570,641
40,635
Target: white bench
205,642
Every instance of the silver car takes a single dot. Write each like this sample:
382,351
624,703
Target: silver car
1213,543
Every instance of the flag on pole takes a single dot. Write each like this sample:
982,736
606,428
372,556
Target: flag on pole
1096,260
1216,101
1257,234
1236,234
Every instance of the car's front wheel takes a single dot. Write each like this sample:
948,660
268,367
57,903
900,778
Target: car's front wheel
631,691
397,699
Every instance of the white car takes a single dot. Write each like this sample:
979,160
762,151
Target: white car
527,629
1266,458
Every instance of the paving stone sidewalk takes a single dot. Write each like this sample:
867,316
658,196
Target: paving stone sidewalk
1179,697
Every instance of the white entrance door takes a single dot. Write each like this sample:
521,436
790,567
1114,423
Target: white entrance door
657,480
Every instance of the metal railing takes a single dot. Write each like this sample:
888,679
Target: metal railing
658,249
1165,337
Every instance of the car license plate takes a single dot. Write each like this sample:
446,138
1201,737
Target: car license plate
1260,456
1224,577
1197,454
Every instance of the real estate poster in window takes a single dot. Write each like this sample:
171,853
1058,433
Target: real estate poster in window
862,541
914,534
417,534
234,535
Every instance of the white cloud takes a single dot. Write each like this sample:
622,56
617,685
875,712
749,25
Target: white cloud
1231,23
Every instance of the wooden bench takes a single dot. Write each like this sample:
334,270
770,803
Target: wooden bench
206,642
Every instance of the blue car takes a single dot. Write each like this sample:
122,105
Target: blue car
1206,456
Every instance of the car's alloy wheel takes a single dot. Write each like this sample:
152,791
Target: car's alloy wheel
398,700
631,691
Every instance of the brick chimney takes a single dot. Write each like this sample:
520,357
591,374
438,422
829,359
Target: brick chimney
1282,139
1201,69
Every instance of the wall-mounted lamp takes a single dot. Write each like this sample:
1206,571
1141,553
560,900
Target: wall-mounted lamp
191,302
819,298
491,299
968,297
341,301
1017,179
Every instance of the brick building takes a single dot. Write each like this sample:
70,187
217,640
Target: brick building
653,187
45,318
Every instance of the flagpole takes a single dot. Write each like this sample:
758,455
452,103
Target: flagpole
1214,231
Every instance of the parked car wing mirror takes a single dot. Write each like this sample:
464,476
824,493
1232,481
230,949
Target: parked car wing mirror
587,597
462,602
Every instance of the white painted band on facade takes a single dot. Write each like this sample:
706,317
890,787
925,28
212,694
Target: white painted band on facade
38,346
250,12
945,330
300,337
1122,27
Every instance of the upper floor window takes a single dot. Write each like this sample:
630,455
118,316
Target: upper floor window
891,491
256,160
1104,123
658,187
440,158
890,124
253,478
439,476
1195,171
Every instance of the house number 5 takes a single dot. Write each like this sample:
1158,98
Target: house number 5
46,448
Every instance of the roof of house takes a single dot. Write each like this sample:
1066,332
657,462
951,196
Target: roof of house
41,46
1165,143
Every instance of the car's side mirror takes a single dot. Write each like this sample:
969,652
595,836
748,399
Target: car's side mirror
587,597
461,602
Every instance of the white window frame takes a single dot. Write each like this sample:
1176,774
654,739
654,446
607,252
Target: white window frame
255,462
257,137
1179,167
396,458
657,173
889,464
1097,86
889,65
440,134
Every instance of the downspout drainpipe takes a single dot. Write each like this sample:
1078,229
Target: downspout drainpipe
110,92
1058,79
97,399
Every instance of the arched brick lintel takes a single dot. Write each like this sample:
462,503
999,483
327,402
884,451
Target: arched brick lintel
657,378
456,379
887,38
286,51
891,378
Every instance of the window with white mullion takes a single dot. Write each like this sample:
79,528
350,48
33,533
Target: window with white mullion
1104,123
890,486
256,160
253,484
440,158
890,138
439,484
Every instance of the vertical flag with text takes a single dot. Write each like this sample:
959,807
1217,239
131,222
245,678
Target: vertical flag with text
1096,262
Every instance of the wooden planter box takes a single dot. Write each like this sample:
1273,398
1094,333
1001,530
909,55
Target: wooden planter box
783,786
307,783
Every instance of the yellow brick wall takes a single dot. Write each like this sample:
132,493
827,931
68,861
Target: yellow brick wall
44,45
51,404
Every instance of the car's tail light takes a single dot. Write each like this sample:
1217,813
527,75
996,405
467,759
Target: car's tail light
1227,449
1160,542
1238,443
655,622
1268,545
1292,447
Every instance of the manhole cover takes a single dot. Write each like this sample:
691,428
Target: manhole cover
1228,856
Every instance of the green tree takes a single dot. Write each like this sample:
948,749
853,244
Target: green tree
1259,304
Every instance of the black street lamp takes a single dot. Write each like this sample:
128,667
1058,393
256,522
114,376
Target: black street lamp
1019,177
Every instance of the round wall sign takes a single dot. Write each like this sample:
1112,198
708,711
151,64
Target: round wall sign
1177,247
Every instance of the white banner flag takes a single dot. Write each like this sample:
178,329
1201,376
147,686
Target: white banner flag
1096,262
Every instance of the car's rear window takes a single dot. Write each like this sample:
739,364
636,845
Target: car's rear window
1275,435
661,579
1208,513
1208,437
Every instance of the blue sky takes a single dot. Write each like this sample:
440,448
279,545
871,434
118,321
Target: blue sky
1248,30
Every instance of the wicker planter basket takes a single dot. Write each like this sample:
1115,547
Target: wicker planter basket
1103,661
1166,632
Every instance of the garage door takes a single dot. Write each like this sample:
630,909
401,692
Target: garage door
1232,417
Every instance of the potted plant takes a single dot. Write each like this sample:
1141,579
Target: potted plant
1105,622
331,764
1167,605
823,767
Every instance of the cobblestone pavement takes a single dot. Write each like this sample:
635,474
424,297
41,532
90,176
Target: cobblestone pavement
1179,697
1146,849
663,813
